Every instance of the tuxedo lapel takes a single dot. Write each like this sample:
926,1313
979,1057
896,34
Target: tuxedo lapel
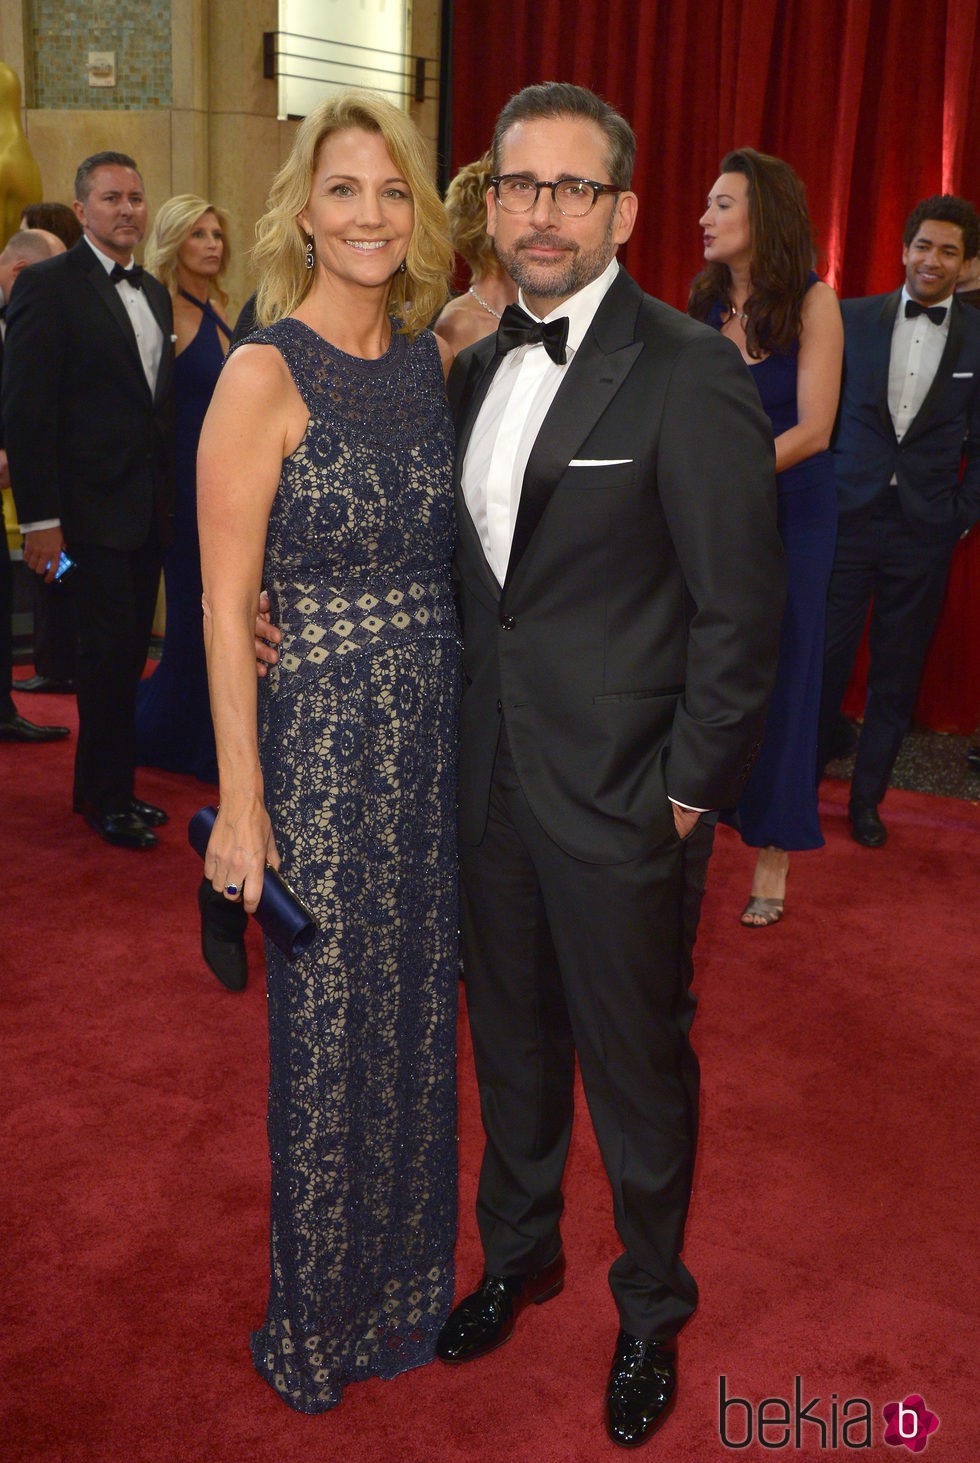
944,372
882,353
156,298
466,408
596,372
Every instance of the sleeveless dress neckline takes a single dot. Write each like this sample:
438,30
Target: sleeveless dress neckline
389,356
208,311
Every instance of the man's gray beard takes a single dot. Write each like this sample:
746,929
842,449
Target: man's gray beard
581,269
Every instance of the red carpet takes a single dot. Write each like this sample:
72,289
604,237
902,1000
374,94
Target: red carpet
833,1225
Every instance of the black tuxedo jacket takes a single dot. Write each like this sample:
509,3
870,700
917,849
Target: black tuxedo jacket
935,498
632,649
87,440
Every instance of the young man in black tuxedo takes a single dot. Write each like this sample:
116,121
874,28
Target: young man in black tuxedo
907,461
21,251
87,405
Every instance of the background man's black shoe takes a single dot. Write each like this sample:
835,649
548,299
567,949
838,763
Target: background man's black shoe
642,1389
43,684
486,1318
18,729
148,814
223,925
866,827
123,830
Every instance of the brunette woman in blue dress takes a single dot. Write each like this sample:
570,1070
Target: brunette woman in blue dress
759,288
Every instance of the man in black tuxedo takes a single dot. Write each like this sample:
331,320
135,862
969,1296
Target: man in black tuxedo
907,460
621,584
87,406
21,251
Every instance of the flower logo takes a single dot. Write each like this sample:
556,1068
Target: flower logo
909,1423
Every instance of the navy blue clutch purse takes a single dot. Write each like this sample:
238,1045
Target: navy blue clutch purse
281,914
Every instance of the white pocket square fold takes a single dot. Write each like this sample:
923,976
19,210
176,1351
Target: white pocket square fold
599,461
962,375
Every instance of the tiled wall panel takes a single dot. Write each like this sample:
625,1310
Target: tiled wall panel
65,31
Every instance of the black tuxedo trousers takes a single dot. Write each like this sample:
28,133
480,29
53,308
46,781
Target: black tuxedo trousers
116,592
563,956
883,563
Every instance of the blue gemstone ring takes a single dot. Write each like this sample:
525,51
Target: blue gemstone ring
231,889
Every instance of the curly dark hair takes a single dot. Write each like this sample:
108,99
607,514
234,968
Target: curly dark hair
948,209
783,255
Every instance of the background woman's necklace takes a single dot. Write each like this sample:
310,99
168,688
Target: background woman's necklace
481,301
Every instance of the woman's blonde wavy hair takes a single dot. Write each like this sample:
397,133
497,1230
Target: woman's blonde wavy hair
171,228
416,295
466,209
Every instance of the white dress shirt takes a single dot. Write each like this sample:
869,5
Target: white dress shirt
917,348
525,385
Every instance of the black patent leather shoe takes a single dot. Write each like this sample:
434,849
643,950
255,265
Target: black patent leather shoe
485,1319
18,729
123,830
866,827
223,937
148,814
45,685
642,1389
973,758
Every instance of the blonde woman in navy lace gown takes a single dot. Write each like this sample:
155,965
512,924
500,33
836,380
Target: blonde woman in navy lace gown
325,474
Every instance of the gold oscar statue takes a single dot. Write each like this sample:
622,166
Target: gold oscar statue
20,176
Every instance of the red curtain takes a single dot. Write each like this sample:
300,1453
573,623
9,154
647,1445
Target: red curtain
870,101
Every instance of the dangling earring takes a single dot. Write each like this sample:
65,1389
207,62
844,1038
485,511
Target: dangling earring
309,251
403,268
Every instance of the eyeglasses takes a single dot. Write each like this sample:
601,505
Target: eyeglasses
574,197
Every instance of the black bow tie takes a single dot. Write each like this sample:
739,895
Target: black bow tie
133,275
516,328
936,313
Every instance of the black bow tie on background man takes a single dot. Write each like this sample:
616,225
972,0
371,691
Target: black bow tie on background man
936,313
517,328
133,275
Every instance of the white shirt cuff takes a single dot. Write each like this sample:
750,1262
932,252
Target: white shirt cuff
686,806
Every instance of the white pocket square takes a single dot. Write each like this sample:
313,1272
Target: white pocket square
962,375
599,461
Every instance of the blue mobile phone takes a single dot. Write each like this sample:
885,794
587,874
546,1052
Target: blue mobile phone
65,566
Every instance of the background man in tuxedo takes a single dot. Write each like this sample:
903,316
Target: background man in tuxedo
907,460
621,583
87,406
22,250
